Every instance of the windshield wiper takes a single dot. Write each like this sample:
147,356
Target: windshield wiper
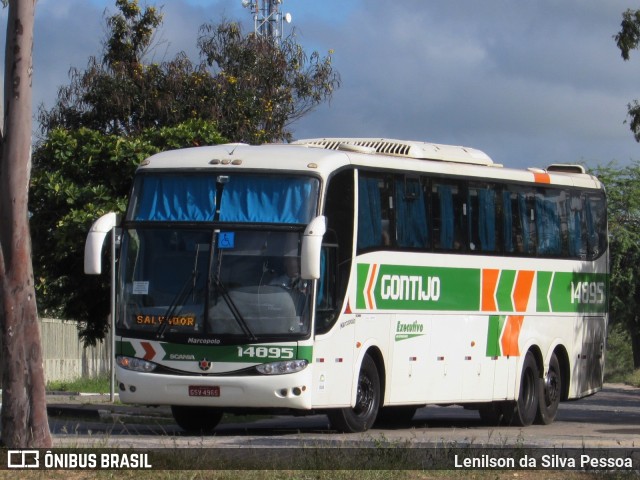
186,289
224,293
178,300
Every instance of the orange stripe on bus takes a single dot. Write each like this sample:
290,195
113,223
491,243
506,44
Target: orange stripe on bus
522,289
510,336
489,283
541,177
372,278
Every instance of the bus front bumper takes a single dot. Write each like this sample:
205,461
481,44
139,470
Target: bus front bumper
256,391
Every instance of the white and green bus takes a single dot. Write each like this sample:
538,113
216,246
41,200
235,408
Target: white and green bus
361,278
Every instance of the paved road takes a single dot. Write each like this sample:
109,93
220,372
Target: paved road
608,419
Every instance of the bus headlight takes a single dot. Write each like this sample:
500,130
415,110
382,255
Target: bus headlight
135,364
281,368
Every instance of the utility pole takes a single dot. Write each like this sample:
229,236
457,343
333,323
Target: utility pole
268,21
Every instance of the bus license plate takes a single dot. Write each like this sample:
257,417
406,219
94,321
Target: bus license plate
202,391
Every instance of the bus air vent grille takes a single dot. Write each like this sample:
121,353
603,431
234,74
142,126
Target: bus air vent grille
401,148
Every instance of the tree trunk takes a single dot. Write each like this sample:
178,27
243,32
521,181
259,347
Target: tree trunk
24,409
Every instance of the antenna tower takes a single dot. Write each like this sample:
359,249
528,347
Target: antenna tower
268,22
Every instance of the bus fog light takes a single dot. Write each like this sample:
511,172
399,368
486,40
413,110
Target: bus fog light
135,364
281,368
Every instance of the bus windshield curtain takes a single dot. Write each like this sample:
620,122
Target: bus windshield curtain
177,198
411,214
192,198
487,219
267,200
508,222
446,216
369,213
548,226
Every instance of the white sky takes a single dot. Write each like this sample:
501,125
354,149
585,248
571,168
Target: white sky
529,82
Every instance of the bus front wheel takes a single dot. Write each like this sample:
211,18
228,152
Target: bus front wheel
523,412
361,416
200,420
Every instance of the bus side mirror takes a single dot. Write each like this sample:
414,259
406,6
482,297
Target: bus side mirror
311,248
95,240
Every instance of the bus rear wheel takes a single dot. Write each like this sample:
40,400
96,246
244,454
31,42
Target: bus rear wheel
550,393
361,416
523,412
200,420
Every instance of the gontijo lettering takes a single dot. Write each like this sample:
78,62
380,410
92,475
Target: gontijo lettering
410,287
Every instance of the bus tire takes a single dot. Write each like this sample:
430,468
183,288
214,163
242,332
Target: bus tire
550,393
200,420
361,417
523,412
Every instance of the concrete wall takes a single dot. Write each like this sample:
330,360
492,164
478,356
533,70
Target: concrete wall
65,358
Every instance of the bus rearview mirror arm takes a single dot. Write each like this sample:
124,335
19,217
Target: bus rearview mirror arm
311,248
95,241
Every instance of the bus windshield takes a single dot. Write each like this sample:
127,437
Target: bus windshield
205,282
216,255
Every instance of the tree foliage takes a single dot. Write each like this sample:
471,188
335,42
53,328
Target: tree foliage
250,86
123,108
623,207
80,175
627,39
261,87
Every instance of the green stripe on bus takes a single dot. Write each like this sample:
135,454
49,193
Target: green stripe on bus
496,324
578,292
226,353
410,287
543,285
505,290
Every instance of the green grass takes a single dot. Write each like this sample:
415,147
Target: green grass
633,378
619,359
83,385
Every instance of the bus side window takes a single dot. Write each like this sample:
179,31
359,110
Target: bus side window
449,212
481,217
548,222
576,226
527,218
518,216
596,222
375,207
412,229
